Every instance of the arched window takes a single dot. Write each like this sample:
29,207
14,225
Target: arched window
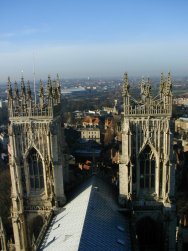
147,169
35,170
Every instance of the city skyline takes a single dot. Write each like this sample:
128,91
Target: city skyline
93,39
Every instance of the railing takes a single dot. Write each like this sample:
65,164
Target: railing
35,111
148,110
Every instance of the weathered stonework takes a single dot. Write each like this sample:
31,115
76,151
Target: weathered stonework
146,170
36,159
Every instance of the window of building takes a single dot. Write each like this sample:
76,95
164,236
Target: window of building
147,169
35,170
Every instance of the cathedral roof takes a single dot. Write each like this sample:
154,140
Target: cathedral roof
89,221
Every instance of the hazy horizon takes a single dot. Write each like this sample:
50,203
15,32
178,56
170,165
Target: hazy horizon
77,39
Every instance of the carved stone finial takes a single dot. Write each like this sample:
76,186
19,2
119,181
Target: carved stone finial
9,88
142,86
169,78
16,92
58,79
125,84
148,88
167,86
22,87
162,77
8,82
55,92
145,89
49,87
162,83
41,91
49,81
58,83
29,96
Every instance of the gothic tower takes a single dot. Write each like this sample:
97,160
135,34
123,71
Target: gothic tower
3,244
146,170
36,160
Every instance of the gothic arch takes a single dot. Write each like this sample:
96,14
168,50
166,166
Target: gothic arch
148,143
35,170
147,169
29,149
36,226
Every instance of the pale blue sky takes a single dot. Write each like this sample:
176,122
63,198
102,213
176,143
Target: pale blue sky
97,38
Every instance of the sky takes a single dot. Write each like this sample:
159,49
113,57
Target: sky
93,38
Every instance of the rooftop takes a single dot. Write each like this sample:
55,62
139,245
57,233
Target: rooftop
89,221
184,119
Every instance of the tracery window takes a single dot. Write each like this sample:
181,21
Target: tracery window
147,169
35,170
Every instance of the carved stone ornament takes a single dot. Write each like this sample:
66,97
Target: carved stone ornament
167,89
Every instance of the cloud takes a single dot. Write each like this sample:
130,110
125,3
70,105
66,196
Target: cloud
26,31
7,35
30,31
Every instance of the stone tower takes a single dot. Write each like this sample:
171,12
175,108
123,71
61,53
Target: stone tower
3,244
36,160
146,170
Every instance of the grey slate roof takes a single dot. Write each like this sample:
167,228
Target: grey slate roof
90,221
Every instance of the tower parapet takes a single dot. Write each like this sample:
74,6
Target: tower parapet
161,105
21,103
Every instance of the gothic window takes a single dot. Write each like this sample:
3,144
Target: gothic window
35,170
147,169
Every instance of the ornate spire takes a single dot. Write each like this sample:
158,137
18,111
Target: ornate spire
41,94
145,90
21,103
29,97
22,87
9,88
54,89
167,86
148,88
169,78
125,85
162,83
142,86
16,92
49,87
41,91
58,88
58,80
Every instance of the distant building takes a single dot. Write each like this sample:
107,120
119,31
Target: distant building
181,125
91,121
3,103
90,128
113,109
90,133
77,114
180,101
